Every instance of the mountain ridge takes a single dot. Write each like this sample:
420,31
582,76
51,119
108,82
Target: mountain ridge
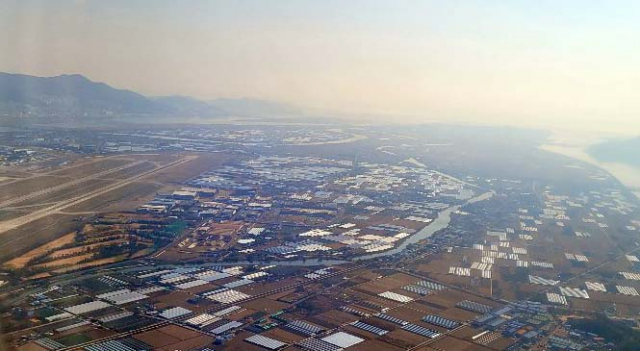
74,96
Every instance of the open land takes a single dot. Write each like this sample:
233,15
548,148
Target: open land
360,238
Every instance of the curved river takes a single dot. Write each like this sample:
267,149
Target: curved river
439,223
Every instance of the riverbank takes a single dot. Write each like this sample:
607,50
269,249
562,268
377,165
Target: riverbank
577,145
629,176
441,222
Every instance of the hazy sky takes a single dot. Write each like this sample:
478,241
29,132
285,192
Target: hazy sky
565,63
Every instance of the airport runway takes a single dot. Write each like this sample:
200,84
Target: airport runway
70,183
17,222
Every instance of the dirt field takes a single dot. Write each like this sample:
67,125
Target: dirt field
80,249
283,335
238,343
265,305
374,345
387,283
450,344
65,261
34,234
174,338
403,339
90,264
335,318
20,261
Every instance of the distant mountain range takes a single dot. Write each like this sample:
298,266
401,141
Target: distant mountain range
75,96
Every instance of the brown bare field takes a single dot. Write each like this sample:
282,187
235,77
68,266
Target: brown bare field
21,261
93,263
174,338
449,343
34,234
278,296
374,345
179,332
31,346
387,283
265,305
449,298
283,335
403,339
439,263
466,333
238,343
458,314
240,314
125,198
65,261
39,276
178,298
385,303
190,344
156,338
80,249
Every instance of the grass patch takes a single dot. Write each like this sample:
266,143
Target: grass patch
74,339
177,227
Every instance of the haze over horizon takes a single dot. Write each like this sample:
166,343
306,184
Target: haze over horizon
568,65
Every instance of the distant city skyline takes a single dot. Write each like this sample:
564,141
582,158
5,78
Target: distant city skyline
567,65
